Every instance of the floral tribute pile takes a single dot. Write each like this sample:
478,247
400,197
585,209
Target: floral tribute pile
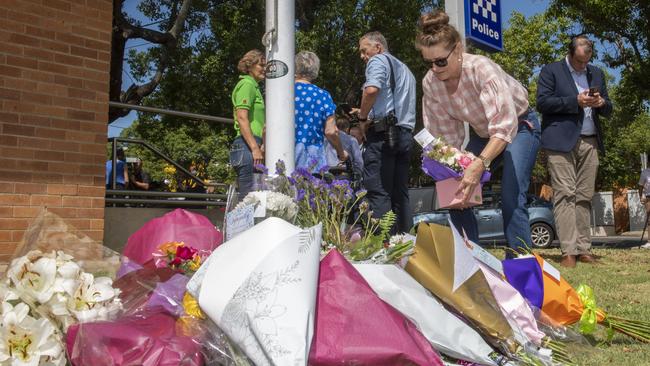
316,279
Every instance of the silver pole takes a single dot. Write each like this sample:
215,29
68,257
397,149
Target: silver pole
280,45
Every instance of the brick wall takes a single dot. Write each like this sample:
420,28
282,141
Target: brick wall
54,74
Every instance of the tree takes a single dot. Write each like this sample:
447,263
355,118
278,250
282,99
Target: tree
171,16
623,25
202,71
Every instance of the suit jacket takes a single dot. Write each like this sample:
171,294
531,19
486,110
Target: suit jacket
557,101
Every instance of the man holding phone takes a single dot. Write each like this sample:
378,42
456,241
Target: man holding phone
572,95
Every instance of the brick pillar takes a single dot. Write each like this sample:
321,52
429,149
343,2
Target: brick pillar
54,75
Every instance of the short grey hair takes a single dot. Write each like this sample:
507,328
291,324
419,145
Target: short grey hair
307,65
376,38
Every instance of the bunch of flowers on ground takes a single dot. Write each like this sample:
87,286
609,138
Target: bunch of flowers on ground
43,295
178,256
348,222
277,204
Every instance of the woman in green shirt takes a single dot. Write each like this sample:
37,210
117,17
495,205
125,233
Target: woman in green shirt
248,109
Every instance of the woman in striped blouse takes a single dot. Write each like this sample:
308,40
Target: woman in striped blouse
462,87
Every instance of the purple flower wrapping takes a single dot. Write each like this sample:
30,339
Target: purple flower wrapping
439,171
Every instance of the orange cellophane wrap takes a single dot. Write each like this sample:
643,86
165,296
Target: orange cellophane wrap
432,265
561,301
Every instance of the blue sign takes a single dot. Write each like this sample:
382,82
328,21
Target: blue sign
483,24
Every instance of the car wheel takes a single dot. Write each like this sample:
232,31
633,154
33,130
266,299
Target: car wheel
541,234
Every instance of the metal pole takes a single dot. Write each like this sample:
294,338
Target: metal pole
280,43
114,165
455,9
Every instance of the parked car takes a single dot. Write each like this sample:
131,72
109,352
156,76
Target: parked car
490,219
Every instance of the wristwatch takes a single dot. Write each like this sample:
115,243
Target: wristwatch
486,162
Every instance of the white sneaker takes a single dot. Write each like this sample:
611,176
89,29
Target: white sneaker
645,246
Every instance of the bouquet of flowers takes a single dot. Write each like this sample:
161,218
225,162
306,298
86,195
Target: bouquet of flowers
544,287
195,230
42,296
27,338
271,204
178,256
445,164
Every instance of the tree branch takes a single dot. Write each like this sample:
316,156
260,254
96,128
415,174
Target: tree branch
123,31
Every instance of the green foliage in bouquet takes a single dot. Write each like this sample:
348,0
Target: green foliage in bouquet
348,222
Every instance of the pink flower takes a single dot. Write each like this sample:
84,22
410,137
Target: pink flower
464,161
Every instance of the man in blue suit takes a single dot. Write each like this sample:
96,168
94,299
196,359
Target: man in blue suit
571,96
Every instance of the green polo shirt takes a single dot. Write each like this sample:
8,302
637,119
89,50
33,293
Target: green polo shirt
247,95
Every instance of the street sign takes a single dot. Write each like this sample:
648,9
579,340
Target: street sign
483,24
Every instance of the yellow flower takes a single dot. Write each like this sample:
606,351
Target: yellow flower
195,263
169,169
191,306
170,247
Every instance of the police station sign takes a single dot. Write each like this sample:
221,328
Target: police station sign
483,23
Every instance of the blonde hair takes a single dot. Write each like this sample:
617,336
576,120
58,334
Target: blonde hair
250,59
434,28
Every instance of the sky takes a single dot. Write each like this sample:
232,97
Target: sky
526,7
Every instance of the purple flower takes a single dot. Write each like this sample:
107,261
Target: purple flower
261,168
300,195
280,167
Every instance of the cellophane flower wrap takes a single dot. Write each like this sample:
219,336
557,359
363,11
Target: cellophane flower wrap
58,278
564,304
194,230
161,326
433,265
354,326
260,289
447,332
441,161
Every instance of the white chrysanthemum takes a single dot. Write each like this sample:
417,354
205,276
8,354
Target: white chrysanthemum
277,204
25,341
33,276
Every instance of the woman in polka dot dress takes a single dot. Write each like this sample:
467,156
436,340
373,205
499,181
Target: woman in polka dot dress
315,118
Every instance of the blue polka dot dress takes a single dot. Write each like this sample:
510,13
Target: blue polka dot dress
313,106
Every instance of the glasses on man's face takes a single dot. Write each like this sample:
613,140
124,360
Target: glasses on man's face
442,62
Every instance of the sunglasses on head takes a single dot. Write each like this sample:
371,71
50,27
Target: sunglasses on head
442,62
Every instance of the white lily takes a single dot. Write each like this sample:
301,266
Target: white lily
33,276
93,299
25,341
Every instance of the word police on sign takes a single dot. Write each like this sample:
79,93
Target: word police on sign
483,23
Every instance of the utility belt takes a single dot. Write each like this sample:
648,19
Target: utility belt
387,126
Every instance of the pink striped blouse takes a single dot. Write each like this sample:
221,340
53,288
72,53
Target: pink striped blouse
487,98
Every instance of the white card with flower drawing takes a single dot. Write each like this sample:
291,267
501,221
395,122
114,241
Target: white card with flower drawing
260,288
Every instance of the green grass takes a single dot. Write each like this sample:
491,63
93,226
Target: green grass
621,283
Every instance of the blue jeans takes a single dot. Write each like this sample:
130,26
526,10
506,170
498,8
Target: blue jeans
386,174
518,160
241,159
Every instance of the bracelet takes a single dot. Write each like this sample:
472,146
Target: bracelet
362,119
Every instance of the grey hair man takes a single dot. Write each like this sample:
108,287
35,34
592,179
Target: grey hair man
387,116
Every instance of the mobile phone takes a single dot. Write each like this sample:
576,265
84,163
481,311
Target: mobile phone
592,91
